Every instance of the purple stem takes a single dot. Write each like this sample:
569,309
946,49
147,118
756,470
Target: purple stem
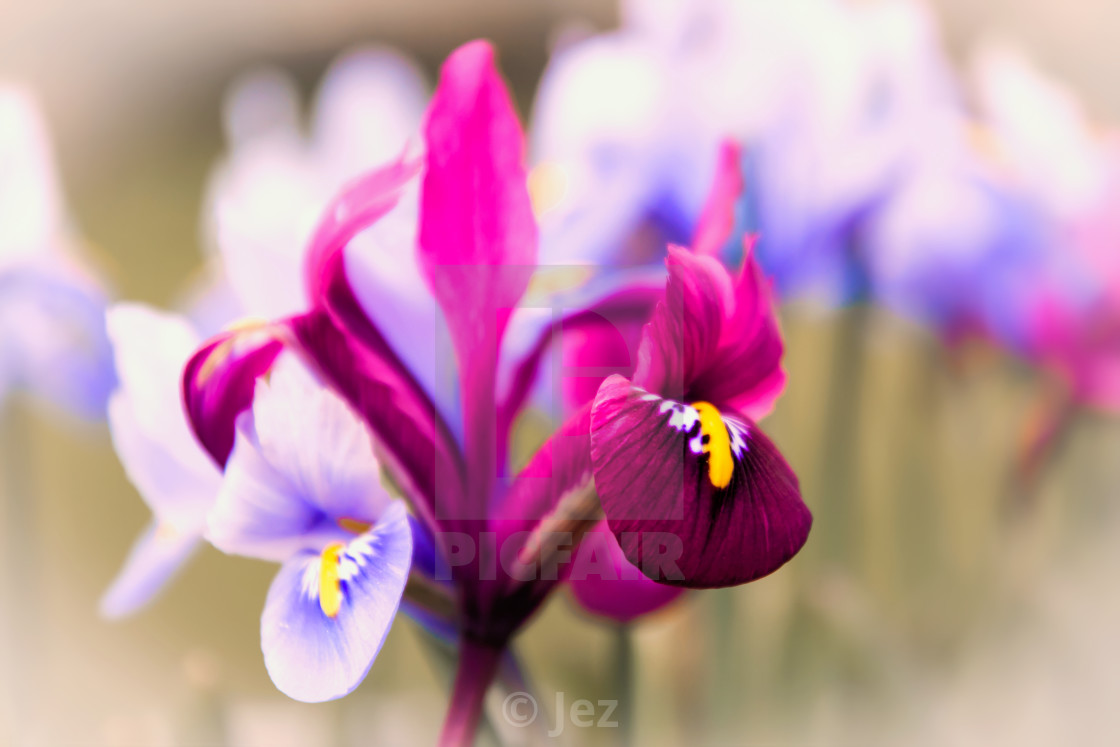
478,663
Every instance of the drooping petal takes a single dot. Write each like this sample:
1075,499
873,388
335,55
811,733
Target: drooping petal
308,431
608,585
478,237
302,471
153,561
258,512
219,381
150,432
656,475
169,468
313,656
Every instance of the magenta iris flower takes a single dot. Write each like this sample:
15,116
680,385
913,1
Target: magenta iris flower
708,361
692,491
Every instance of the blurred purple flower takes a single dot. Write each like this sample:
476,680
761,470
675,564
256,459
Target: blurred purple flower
822,96
1067,306
52,329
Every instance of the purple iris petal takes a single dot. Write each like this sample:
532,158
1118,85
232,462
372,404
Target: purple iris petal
219,380
150,432
302,463
161,457
670,520
478,238
314,657
339,474
259,512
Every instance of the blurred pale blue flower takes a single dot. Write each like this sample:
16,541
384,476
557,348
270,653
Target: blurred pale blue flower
52,328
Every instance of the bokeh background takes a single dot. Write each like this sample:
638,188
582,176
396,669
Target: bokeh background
919,613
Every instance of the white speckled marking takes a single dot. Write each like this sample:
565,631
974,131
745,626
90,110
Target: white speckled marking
739,433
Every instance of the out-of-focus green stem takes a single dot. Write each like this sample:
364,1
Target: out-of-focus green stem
721,661
1045,435
21,570
840,453
624,663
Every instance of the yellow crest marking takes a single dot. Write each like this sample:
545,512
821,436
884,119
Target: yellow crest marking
717,445
330,589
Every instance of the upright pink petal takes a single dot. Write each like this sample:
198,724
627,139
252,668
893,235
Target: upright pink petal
751,346
478,238
713,338
718,218
685,331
